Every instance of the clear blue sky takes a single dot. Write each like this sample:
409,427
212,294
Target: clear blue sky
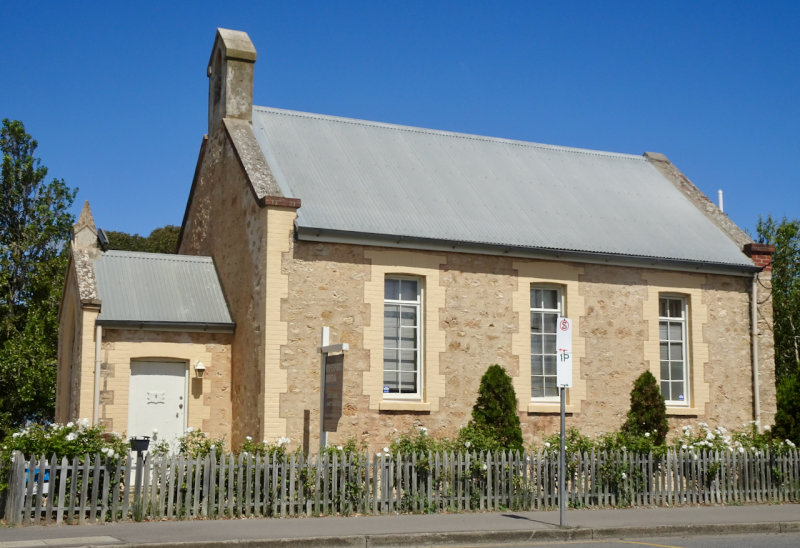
116,92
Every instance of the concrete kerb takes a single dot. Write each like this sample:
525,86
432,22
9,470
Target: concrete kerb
488,538
578,533
483,538
354,541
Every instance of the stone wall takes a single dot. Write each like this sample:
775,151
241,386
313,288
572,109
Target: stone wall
209,406
615,329
82,399
225,222
729,371
766,349
615,310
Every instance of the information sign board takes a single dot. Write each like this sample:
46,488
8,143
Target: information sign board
334,372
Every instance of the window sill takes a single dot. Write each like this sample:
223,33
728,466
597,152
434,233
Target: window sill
683,411
400,405
550,407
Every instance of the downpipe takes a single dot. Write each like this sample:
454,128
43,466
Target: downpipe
754,351
98,345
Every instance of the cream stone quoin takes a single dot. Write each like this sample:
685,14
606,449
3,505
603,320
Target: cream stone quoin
433,255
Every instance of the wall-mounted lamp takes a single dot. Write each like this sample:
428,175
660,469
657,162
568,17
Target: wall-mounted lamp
199,369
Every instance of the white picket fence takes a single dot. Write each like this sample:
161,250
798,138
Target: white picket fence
92,489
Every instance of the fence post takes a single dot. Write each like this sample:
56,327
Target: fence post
16,489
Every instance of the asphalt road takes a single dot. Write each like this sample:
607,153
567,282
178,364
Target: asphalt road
788,540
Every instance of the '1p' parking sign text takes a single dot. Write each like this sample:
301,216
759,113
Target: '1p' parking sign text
564,352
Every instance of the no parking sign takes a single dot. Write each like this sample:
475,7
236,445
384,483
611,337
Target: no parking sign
564,352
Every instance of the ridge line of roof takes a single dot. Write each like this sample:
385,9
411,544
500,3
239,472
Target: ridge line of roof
157,256
455,134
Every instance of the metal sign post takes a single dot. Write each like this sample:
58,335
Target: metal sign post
564,381
325,349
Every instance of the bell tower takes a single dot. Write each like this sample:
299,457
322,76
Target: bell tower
230,77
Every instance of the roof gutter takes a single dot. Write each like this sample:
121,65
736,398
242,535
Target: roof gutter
430,244
197,327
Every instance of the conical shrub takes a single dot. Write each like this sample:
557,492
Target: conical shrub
648,412
495,411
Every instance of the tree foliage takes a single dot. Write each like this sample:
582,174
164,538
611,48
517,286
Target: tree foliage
785,236
787,418
495,421
160,240
35,224
648,412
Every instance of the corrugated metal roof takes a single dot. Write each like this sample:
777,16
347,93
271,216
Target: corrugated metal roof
372,178
155,288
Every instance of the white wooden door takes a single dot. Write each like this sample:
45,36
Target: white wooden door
157,400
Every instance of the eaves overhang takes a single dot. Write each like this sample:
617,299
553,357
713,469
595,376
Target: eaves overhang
193,327
310,234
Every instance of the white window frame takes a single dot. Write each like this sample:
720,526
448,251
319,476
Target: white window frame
560,311
683,321
418,304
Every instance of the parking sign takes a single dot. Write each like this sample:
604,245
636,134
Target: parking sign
564,352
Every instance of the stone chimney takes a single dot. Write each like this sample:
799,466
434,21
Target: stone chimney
230,77
84,233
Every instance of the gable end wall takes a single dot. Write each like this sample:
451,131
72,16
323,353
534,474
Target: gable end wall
224,221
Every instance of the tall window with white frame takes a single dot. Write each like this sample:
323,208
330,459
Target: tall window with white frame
672,335
546,306
402,337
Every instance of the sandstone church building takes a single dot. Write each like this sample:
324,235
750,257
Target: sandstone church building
432,255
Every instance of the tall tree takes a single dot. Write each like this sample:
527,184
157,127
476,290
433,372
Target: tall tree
160,240
785,236
35,224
